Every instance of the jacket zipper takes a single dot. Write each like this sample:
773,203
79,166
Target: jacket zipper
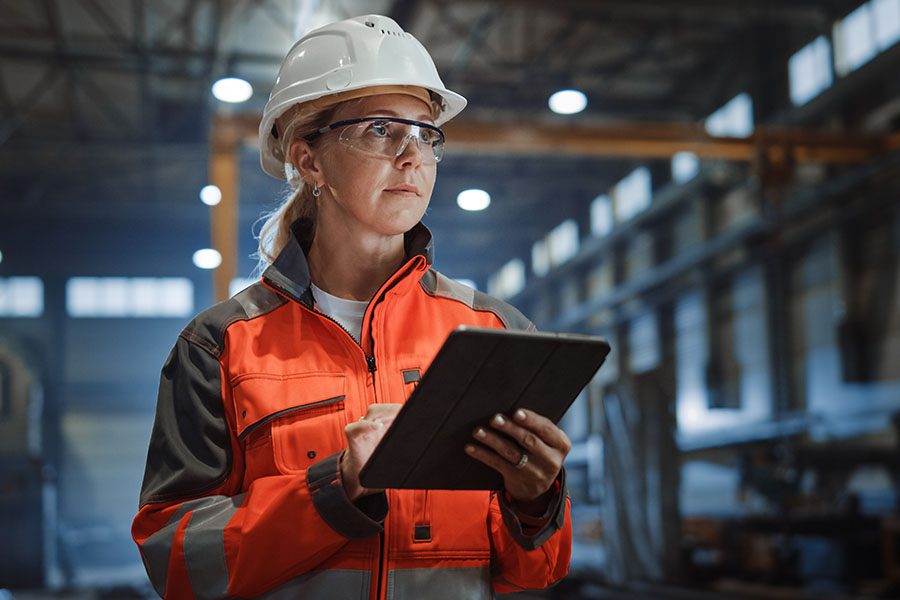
381,557
371,366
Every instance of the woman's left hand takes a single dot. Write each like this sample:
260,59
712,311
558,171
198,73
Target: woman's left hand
543,445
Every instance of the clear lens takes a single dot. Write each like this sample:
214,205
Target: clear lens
390,139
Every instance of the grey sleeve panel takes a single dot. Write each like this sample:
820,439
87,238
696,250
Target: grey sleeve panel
190,445
204,546
440,286
356,521
556,518
157,549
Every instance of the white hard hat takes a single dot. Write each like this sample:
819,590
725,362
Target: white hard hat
362,52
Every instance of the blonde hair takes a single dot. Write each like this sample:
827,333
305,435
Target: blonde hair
299,202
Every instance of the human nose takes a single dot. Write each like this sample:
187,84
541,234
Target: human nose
406,156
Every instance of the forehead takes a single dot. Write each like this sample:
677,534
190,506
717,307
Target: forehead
390,105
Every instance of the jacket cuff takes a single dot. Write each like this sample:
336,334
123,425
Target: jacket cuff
359,520
522,528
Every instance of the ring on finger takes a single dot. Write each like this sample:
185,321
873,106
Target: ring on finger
522,461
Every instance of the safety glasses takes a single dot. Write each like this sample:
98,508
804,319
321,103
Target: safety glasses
388,137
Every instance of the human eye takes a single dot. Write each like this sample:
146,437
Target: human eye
427,135
378,129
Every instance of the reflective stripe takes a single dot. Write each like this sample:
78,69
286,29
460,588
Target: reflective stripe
334,583
471,583
204,547
157,549
440,286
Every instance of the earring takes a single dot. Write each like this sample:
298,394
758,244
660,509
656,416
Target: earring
316,191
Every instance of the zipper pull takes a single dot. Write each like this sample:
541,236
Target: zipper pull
370,360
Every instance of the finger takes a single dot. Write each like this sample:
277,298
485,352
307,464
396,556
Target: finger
526,439
384,413
490,458
360,428
505,447
544,428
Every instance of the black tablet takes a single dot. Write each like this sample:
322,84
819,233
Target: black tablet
476,374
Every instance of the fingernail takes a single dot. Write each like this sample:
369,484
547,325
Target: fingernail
470,449
520,414
480,432
499,420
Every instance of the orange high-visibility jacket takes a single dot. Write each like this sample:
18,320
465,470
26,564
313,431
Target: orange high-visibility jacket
242,495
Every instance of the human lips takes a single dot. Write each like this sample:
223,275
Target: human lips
404,187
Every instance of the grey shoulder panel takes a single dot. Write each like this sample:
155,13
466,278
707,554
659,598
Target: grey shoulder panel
190,445
207,329
439,285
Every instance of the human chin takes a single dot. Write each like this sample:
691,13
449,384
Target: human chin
399,217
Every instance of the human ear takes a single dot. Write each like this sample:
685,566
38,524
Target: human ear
306,160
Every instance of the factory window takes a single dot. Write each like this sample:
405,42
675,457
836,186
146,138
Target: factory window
562,242
509,280
887,22
810,71
632,194
238,284
21,297
868,30
734,119
557,247
643,343
601,215
129,297
540,258
685,166
854,40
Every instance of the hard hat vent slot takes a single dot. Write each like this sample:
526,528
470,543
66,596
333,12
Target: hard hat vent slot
389,32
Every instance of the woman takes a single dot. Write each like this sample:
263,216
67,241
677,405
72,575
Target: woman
271,402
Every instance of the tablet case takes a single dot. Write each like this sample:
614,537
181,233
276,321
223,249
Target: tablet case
476,374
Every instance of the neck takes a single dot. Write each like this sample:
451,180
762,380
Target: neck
349,264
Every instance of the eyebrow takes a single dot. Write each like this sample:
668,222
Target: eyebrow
390,113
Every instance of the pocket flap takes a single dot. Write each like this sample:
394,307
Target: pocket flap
261,397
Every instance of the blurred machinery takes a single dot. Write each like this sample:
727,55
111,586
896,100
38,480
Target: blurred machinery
28,556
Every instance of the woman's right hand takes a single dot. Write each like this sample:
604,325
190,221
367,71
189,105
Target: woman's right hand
362,438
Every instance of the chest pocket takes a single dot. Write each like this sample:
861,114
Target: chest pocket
304,414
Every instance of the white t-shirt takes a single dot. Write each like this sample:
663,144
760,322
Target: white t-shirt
349,313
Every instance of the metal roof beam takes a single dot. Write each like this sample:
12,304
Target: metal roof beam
809,12
662,140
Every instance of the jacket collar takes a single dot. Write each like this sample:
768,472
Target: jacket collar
290,271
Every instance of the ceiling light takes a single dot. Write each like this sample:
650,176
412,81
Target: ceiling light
232,89
210,195
473,199
567,102
207,258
